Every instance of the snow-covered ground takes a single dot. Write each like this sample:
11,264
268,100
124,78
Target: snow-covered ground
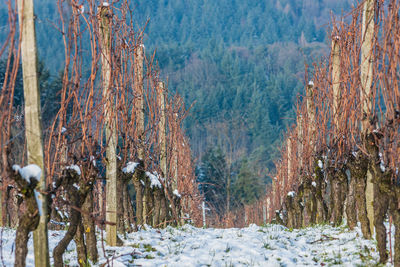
271,245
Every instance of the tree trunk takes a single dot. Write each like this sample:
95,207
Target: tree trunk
27,223
63,244
89,228
33,122
382,193
338,194
157,206
351,210
137,183
147,202
128,209
121,184
80,245
381,204
164,212
321,208
289,213
396,222
76,198
358,166
309,202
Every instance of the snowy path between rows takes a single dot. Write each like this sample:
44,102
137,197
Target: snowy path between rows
271,245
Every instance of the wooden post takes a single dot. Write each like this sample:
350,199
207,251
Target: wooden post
336,78
311,113
139,101
175,153
162,129
162,141
264,214
300,139
368,27
138,114
33,122
289,159
282,189
203,207
105,16
245,216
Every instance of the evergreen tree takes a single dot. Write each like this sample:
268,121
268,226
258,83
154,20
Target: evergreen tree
248,187
212,178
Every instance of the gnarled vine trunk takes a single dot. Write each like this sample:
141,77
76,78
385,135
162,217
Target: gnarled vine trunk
351,209
358,165
338,179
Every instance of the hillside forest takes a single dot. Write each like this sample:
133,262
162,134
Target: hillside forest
239,67
133,115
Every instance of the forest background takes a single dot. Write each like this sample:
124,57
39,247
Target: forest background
238,64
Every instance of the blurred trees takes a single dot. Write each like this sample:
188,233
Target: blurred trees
234,60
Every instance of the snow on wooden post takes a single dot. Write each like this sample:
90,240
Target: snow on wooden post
268,208
105,16
33,122
368,27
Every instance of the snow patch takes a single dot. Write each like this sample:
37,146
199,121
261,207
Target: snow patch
270,245
29,171
63,130
176,193
106,4
383,168
314,184
382,164
76,186
75,168
130,167
311,83
81,9
154,179
93,160
320,164
291,194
